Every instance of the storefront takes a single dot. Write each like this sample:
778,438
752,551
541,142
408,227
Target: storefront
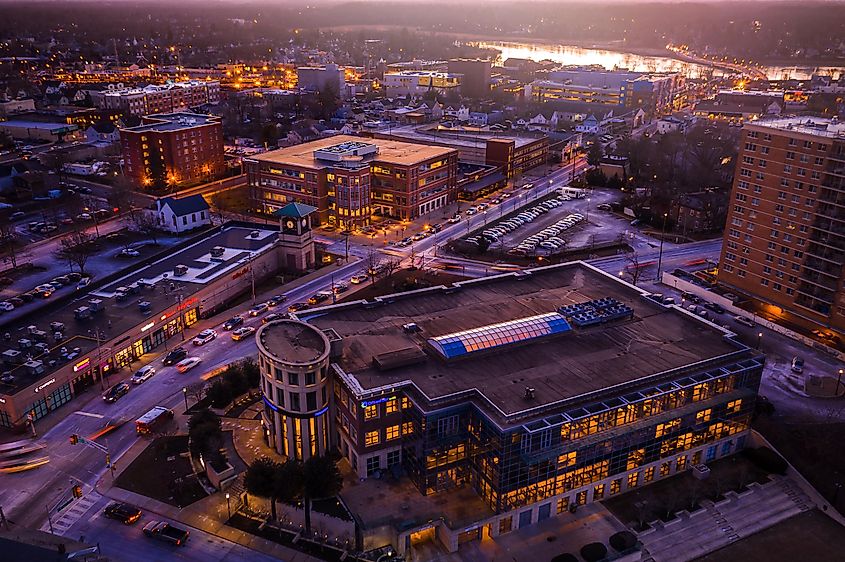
48,398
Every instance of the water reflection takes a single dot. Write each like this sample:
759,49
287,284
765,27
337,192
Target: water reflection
565,54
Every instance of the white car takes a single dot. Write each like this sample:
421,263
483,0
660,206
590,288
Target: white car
6,306
258,309
187,364
358,279
204,337
471,211
455,219
243,333
143,374
745,321
130,253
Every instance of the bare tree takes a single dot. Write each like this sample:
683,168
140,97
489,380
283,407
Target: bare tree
374,261
390,266
144,223
75,248
8,240
634,268
122,196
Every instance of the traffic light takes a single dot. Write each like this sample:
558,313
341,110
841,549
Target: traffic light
74,439
77,491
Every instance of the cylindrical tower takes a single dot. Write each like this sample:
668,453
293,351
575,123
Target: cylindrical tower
294,360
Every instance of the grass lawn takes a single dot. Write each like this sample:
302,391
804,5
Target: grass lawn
810,536
661,499
160,472
404,280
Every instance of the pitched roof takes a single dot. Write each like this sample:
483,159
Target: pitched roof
296,210
104,127
185,205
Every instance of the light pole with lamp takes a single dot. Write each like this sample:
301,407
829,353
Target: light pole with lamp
660,255
759,339
228,506
185,395
838,380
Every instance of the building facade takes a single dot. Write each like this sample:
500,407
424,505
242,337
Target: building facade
418,82
322,78
348,179
784,242
475,76
173,149
166,98
517,158
529,389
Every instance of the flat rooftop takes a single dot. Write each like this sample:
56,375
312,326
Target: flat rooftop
293,342
816,126
174,121
390,151
559,364
454,136
154,283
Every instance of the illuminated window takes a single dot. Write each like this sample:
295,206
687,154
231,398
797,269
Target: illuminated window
666,428
391,406
408,428
648,475
665,468
494,335
633,479
406,403
562,505
681,463
615,486
371,412
703,415
371,438
392,432
598,492
567,459
734,406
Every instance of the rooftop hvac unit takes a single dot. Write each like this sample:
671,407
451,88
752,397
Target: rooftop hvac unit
217,251
254,234
180,270
700,471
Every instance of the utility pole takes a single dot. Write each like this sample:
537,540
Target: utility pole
660,255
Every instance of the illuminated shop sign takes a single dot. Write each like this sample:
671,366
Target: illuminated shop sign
366,403
41,387
82,365
146,327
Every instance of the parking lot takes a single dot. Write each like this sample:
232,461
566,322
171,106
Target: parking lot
557,222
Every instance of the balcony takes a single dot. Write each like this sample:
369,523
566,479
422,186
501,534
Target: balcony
823,267
815,293
817,238
819,281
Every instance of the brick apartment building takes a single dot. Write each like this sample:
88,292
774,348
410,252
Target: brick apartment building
173,149
784,242
164,98
348,179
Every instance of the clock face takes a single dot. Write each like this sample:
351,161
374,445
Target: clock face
304,223
290,224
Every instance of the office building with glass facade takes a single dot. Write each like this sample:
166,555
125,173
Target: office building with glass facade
539,391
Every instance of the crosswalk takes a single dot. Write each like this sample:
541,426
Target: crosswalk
69,515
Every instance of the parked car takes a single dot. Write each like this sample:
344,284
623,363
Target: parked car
745,321
204,337
129,253
166,532
17,215
143,374
277,300
454,219
187,364
358,279
243,333
712,306
6,306
175,356
84,282
116,392
258,309
233,323
123,512
797,365
340,287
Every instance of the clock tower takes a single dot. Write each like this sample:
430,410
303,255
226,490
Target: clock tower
296,241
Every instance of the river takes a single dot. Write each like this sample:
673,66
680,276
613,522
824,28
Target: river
569,55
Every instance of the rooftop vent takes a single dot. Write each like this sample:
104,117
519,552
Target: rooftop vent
180,270
529,393
217,251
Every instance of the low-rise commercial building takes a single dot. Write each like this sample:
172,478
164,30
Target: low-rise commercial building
158,98
348,179
527,394
24,129
418,82
322,78
78,340
173,149
475,76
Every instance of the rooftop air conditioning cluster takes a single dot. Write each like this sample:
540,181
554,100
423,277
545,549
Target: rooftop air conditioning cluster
597,311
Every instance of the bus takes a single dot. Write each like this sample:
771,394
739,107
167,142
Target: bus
153,420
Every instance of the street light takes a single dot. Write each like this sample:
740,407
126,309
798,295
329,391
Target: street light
838,379
759,338
185,394
660,256
228,506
